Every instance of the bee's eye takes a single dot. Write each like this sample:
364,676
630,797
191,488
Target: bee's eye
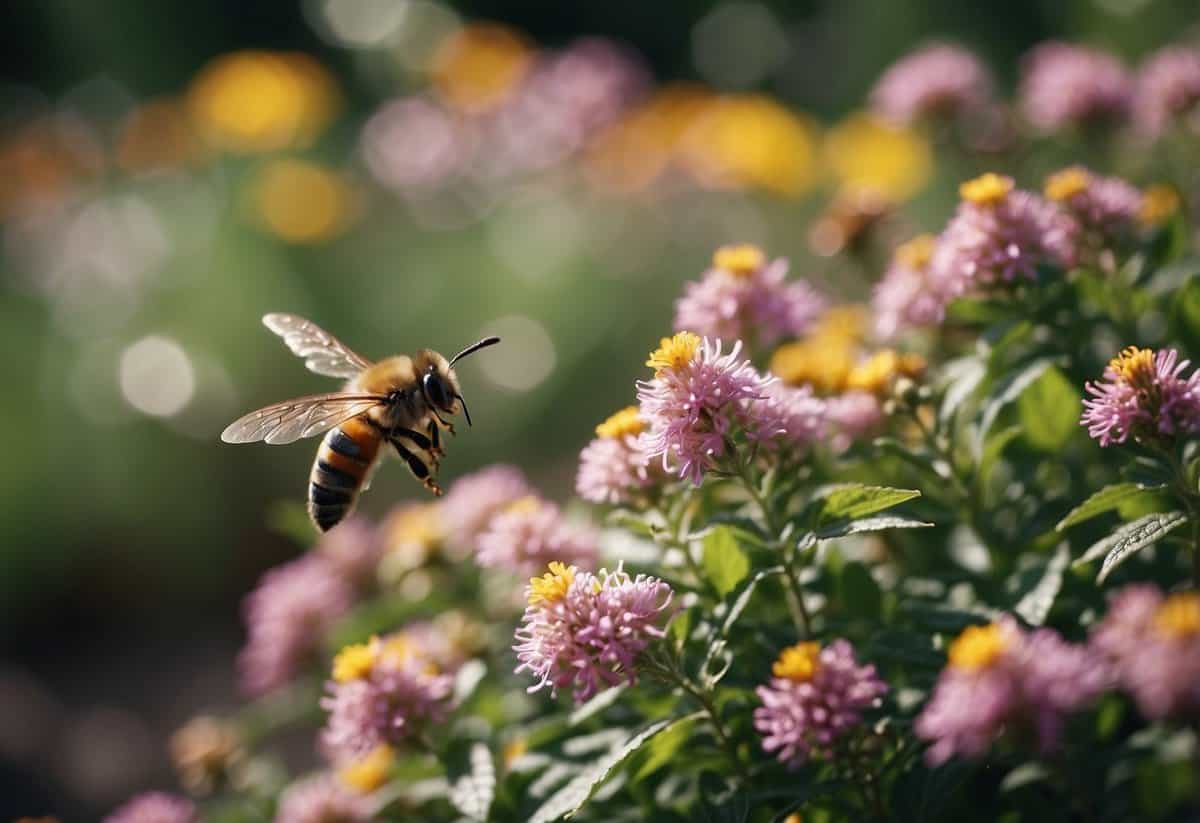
434,390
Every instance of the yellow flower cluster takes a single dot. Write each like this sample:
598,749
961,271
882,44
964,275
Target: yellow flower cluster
800,662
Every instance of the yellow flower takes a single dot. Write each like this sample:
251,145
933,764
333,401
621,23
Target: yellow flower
1135,366
674,352
513,750
752,141
877,373
625,422
847,323
369,772
478,67
978,647
800,662
553,585
258,101
525,505
1179,616
301,202
865,153
354,662
1159,203
1065,184
987,189
820,362
916,253
742,260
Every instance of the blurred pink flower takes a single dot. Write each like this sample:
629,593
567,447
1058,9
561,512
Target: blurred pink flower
415,145
853,415
1107,206
743,297
1154,645
906,297
1168,88
817,696
155,807
474,498
531,532
788,416
1065,85
697,397
1143,394
999,677
322,799
585,631
353,548
937,80
286,615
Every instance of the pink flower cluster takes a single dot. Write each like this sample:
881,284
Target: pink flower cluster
1168,89
155,807
1065,85
1144,395
744,297
585,631
384,691
1001,677
1153,644
906,297
531,532
474,498
817,696
322,799
614,466
1108,206
938,80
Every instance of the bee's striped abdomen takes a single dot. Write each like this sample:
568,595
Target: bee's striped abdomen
343,460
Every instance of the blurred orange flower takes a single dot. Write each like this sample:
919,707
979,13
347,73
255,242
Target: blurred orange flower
301,202
479,66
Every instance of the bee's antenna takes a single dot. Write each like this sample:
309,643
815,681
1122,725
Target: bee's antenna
474,347
466,413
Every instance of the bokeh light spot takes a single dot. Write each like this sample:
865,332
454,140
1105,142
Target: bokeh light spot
156,376
524,358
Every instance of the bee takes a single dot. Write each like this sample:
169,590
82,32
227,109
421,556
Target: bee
399,401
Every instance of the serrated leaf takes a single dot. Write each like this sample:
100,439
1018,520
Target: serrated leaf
1035,605
1049,411
1105,500
663,747
870,524
1129,539
1008,390
571,798
851,501
472,793
724,562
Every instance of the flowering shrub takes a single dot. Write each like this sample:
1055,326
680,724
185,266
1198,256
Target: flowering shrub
932,559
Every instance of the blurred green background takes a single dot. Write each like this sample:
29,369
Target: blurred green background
153,211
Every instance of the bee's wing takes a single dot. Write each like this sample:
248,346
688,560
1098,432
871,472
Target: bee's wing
322,352
291,420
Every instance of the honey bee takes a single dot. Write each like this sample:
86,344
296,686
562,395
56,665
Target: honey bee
399,401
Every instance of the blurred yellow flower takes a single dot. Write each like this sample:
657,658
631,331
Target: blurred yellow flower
157,135
977,647
478,67
820,362
1159,202
302,202
752,141
864,152
986,189
1179,616
354,662
846,322
878,372
621,424
743,259
800,662
369,772
1065,184
260,101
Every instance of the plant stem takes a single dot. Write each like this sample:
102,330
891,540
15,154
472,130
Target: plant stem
795,593
726,741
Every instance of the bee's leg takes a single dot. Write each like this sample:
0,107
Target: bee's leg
425,450
418,467
418,439
435,438
448,426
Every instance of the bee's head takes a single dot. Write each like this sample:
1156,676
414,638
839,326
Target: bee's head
439,383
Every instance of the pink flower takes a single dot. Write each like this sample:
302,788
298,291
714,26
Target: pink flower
614,466
743,297
788,416
698,396
1168,88
1000,235
155,807
530,533
1108,206
416,146
1153,643
1064,85
1000,677
817,696
1143,394
383,691
585,631
286,616
854,415
322,799
907,297
474,498
353,548
938,80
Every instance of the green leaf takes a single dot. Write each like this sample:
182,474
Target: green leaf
858,591
1185,314
680,627
1049,411
1008,390
740,602
851,501
1105,500
994,448
596,704
472,793
1035,605
870,524
659,751
571,798
725,564
964,376
1129,539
